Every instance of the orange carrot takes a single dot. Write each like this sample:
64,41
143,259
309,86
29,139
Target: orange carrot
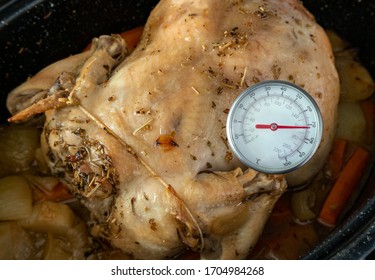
59,193
368,108
344,186
131,37
336,159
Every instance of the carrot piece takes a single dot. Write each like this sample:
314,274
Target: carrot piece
368,108
59,193
344,186
132,37
336,159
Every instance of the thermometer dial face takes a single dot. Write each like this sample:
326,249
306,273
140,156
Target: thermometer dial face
274,127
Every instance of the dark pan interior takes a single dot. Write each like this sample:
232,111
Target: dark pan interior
36,33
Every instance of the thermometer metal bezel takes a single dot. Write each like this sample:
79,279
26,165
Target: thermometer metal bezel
232,142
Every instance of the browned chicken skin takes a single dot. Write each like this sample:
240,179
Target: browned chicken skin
141,140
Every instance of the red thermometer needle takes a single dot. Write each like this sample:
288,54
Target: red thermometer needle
275,126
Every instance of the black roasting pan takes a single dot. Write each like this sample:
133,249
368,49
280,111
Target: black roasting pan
35,33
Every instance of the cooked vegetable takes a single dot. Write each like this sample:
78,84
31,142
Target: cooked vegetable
78,238
306,203
48,188
59,193
351,122
41,161
15,198
49,216
57,248
336,158
60,222
368,108
344,186
302,203
282,238
17,148
356,82
44,183
15,243
132,37
338,43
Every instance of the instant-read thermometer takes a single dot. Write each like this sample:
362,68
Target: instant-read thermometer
274,127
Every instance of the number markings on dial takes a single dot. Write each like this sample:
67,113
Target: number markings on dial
279,127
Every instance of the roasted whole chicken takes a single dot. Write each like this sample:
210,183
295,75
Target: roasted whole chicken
139,137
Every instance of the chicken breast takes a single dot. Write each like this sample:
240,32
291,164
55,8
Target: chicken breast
140,138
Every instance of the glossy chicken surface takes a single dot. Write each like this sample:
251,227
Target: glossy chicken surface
140,137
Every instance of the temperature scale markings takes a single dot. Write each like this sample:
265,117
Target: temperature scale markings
293,145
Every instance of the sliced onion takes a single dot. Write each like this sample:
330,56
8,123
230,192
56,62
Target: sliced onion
302,204
355,81
351,122
338,43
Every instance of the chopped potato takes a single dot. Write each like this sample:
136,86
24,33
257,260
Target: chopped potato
351,123
15,198
355,81
338,43
17,148
50,216
61,223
